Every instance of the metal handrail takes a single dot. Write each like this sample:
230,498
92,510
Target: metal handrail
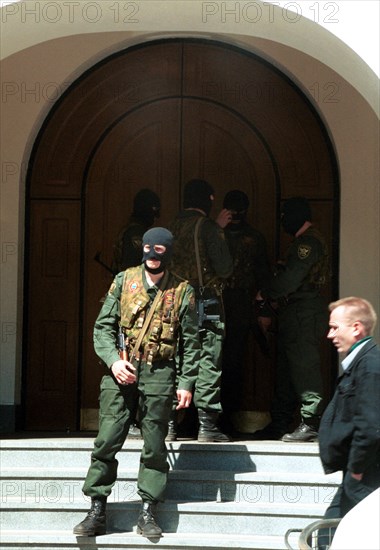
305,537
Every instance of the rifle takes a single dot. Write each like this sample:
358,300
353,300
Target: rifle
122,345
107,267
203,315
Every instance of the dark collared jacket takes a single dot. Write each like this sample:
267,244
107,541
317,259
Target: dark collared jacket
349,434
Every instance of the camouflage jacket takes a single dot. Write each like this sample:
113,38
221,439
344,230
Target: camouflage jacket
215,259
305,271
175,320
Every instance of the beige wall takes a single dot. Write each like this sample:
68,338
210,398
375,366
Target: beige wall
45,57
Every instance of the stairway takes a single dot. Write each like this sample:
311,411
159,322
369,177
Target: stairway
237,495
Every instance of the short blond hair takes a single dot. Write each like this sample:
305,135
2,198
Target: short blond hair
359,309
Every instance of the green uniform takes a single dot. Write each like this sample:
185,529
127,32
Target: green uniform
175,321
216,265
302,321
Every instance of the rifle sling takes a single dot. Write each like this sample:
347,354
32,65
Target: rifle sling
197,255
149,316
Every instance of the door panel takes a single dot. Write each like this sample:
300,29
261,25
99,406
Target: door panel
53,322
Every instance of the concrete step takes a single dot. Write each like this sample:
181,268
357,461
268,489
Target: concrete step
236,456
46,540
261,518
64,485
232,495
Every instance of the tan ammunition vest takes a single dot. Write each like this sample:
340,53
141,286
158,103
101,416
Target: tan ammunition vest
160,339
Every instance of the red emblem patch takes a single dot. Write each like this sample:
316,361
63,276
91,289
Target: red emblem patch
133,287
169,298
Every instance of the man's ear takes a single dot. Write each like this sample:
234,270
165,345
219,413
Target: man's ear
358,329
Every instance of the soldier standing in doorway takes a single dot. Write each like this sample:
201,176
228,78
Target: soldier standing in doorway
302,321
128,247
201,256
150,311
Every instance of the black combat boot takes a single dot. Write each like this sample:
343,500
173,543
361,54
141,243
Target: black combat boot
146,523
172,427
95,521
208,430
304,433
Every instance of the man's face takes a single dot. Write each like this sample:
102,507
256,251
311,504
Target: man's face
153,255
344,332
157,248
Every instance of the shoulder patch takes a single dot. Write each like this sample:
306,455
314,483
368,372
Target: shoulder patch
304,251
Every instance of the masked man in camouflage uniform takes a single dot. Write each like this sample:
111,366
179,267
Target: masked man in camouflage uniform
201,256
149,302
128,247
302,321
251,271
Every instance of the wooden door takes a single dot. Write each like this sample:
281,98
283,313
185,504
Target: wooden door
53,337
154,116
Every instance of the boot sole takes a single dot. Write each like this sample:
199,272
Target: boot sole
140,531
212,440
89,533
310,440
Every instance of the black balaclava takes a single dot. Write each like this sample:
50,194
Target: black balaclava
238,202
157,236
146,206
295,212
197,195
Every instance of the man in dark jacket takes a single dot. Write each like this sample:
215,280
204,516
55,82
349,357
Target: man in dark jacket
349,434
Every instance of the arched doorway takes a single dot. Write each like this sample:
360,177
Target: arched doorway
154,115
